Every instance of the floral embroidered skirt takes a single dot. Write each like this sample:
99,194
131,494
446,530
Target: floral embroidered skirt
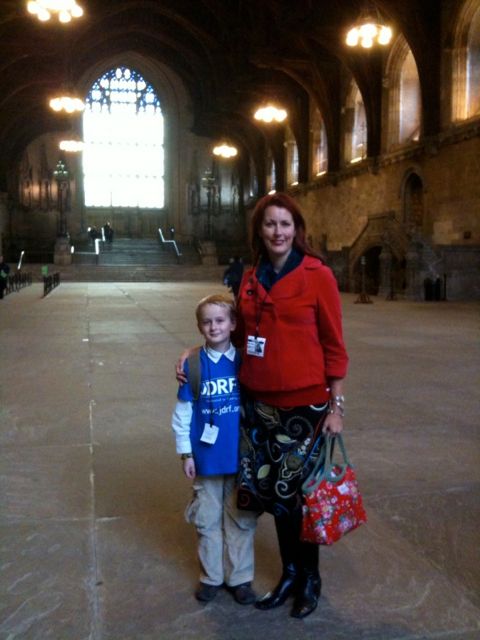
278,449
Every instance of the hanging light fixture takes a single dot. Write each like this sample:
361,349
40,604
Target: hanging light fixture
270,113
225,150
369,30
69,104
72,145
64,9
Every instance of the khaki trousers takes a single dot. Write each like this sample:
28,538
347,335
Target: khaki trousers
225,533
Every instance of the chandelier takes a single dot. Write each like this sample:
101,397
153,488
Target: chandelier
64,9
270,113
369,29
61,173
71,146
224,150
69,104
367,34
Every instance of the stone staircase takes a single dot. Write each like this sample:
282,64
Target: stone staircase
134,252
132,260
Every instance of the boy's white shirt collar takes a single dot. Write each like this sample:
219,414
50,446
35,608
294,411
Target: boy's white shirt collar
216,355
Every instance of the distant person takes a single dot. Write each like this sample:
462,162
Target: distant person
4,271
108,232
232,276
93,233
206,421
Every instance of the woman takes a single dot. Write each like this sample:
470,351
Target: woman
293,365
292,374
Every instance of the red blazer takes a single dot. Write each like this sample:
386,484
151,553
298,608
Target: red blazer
300,317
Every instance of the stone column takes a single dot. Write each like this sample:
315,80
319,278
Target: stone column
414,286
385,272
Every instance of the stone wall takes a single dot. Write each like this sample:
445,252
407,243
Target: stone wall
338,209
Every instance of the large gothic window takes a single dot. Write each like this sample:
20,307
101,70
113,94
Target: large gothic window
473,68
291,150
123,159
409,126
271,173
403,118
318,136
355,126
466,63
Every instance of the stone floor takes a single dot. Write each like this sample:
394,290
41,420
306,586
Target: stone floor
93,540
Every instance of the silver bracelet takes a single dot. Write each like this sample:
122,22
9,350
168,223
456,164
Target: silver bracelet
337,405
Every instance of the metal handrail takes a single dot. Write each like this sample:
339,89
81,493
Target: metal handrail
172,242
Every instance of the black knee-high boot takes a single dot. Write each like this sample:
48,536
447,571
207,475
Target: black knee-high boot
288,542
309,581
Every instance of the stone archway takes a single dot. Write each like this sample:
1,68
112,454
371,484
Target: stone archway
384,244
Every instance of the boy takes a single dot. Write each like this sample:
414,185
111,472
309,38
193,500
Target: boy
207,437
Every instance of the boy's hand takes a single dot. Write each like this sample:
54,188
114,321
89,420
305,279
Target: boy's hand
189,468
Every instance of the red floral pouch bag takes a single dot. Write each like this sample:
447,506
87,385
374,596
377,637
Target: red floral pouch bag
332,504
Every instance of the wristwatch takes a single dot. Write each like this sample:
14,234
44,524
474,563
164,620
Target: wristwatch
184,456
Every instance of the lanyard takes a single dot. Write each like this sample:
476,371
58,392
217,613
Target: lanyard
259,307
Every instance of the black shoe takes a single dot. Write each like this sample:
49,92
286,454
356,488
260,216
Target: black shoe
285,588
206,592
243,593
306,599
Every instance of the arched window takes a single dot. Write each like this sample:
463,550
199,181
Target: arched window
404,100
253,190
466,64
473,68
291,150
355,126
271,173
409,101
318,144
123,159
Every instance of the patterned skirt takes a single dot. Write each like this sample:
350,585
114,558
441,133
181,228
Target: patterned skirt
278,449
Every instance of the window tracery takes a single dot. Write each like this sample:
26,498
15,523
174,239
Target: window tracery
123,159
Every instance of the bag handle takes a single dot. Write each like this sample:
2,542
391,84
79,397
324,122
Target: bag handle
321,473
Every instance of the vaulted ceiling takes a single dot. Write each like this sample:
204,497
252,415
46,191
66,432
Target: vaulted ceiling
229,53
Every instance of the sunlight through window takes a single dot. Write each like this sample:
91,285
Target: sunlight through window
123,158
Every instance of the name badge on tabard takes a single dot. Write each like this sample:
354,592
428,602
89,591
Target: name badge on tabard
256,346
210,433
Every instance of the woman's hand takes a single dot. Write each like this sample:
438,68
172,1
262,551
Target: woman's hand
334,420
179,372
333,423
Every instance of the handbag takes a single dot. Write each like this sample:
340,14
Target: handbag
332,503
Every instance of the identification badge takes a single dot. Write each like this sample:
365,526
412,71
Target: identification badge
210,433
256,346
